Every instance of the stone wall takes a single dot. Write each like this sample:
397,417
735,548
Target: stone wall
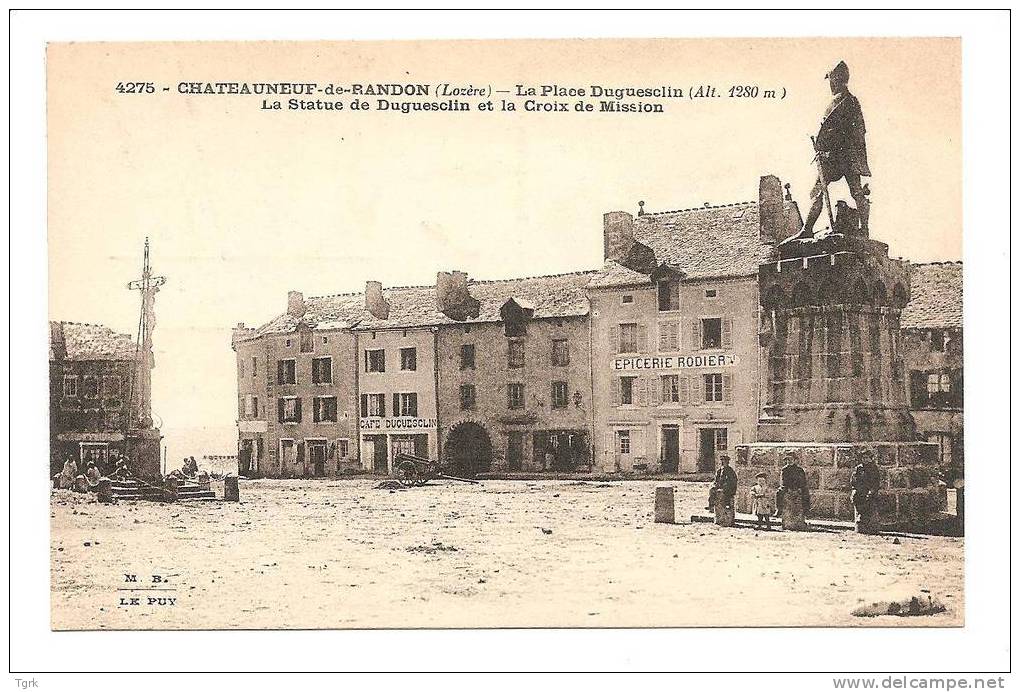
909,495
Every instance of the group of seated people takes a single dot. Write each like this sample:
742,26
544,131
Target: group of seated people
86,477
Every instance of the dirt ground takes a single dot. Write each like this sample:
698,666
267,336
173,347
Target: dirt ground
341,554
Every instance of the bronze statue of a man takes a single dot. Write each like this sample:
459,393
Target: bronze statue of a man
840,149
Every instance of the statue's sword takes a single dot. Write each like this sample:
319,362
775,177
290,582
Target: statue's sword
825,187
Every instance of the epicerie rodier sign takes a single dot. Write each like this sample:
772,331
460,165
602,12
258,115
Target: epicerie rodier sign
707,360
397,423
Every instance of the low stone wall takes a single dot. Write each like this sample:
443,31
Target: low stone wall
909,497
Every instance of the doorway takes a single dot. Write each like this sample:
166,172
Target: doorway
514,451
468,449
711,441
245,460
670,448
317,457
376,451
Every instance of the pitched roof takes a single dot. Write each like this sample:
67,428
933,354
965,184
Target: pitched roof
81,342
703,242
558,295
936,296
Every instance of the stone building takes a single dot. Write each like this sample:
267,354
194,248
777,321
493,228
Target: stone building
297,390
932,328
91,369
674,332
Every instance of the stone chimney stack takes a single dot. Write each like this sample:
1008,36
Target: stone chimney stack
375,303
451,291
295,304
618,234
771,220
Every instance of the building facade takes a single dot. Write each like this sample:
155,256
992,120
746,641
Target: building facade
932,336
297,392
91,370
650,365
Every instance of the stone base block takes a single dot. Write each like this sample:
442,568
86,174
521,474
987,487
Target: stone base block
909,497
664,505
724,516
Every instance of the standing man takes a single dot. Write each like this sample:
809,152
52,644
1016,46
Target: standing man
792,479
840,149
864,483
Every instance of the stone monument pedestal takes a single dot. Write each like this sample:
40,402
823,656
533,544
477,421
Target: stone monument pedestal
834,381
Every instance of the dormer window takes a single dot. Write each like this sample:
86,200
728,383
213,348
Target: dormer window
669,295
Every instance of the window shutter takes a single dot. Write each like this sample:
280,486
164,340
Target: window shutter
297,409
664,329
609,451
727,333
637,442
396,404
698,389
695,335
642,338
300,452
674,295
279,410
641,395
382,406
614,338
685,390
566,353
279,372
727,388
615,391
654,393
956,387
364,405
674,336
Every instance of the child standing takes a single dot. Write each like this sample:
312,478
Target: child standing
760,504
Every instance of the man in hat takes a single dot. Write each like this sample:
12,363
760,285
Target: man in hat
840,149
792,479
725,485
864,483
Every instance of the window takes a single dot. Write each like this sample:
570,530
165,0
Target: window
325,339
627,299
623,441
251,406
289,409
669,336
343,447
324,410
467,397
670,389
938,340
307,342
515,353
559,394
285,372
939,387
711,332
287,343
405,404
669,295
409,359
467,357
90,387
375,360
71,386
711,293
628,338
627,390
560,352
373,405
322,370
713,387
254,366
515,395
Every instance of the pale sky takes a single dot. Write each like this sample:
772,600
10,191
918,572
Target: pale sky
242,205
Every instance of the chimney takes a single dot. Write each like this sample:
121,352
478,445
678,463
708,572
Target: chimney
374,301
618,234
295,304
772,223
451,291
239,333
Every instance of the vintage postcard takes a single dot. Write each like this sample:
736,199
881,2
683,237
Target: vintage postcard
505,334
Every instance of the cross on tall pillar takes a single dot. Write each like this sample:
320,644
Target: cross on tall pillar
148,285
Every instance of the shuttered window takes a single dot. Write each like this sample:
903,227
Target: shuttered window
669,336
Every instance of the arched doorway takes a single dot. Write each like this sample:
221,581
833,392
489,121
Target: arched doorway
468,450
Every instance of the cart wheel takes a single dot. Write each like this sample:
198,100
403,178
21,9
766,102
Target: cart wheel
407,475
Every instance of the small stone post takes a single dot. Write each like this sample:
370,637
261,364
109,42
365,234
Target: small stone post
793,511
724,516
866,519
170,489
664,505
230,490
104,490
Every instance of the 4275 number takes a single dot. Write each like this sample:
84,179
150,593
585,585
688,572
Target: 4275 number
135,88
